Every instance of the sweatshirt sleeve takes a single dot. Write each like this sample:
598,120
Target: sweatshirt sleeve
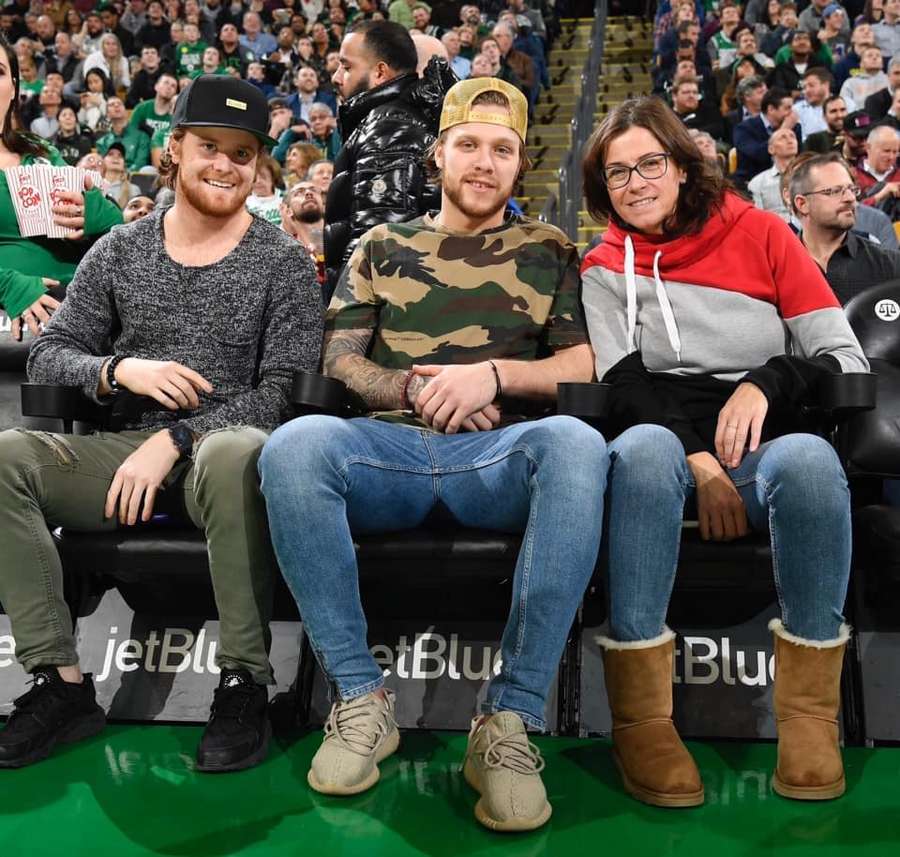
634,399
291,340
18,291
76,342
100,213
822,341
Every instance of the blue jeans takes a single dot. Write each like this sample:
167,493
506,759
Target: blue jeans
793,487
324,478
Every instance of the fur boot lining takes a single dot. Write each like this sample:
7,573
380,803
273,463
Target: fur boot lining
777,627
666,636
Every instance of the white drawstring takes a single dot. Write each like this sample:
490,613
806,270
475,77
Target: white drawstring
630,293
662,298
666,307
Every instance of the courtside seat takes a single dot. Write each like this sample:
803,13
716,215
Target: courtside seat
869,445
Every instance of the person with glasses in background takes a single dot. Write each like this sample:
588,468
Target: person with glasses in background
711,325
824,198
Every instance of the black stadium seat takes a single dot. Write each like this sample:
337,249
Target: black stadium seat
870,447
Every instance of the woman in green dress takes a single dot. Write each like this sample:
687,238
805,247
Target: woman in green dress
29,265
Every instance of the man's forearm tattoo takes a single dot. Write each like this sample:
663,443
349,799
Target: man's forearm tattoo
376,388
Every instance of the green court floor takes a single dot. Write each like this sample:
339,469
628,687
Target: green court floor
132,791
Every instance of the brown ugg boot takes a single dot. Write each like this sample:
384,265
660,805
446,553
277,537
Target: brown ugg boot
807,698
655,765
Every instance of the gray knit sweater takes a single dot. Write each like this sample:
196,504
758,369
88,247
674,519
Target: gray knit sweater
245,323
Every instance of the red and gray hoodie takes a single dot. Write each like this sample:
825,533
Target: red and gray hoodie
676,324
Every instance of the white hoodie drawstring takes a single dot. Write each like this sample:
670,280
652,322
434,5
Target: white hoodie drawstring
662,298
630,293
666,308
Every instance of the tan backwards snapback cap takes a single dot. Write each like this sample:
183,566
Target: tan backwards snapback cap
458,108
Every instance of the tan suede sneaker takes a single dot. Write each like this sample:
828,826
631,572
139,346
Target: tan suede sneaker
358,735
504,767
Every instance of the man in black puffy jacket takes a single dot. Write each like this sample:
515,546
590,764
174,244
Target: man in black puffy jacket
388,118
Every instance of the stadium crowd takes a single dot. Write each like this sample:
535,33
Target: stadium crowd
763,85
289,172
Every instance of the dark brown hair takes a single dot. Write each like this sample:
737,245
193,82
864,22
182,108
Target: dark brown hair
14,139
491,98
703,190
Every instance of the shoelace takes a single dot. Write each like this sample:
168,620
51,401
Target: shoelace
509,751
231,701
347,725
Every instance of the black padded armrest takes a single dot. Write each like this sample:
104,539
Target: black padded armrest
56,401
588,402
313,393
846,393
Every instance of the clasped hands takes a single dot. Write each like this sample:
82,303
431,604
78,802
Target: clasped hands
455,398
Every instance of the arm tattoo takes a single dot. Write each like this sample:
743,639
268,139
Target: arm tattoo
376,388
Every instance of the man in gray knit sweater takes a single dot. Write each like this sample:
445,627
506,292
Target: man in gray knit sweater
206,311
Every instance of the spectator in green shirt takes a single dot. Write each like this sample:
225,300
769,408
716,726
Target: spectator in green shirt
155,113
189,54
29,265
135,143
212,63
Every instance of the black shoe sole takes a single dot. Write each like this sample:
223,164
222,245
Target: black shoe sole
255,758
84,727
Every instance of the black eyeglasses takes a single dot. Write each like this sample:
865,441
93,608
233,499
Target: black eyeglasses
836,191
652,166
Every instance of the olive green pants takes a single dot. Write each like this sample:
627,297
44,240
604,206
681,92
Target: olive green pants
54,480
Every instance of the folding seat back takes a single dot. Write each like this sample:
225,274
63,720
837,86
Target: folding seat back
870,447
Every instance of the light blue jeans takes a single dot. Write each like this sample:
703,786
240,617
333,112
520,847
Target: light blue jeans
325,478
793,487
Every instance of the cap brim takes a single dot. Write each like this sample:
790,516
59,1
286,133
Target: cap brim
265,139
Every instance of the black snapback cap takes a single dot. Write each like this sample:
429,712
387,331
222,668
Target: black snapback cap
222,101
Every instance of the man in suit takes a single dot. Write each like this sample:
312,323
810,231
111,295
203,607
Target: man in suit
751,137
878,104
750,93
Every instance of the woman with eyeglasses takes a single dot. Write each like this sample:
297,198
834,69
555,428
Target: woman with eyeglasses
712,325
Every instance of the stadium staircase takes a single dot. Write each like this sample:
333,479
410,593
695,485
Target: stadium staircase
595,64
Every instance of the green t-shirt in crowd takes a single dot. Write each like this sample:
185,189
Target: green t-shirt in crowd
431,295
188,58
219,70
160,138
136,143
145,115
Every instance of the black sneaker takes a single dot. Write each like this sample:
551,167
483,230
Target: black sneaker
238,732
52,712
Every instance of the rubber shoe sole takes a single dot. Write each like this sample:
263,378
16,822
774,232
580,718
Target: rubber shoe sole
512,825
84,727
251,761
648,796
827,792
387,748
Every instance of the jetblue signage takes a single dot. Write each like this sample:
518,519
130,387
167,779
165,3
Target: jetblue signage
150,667
440,673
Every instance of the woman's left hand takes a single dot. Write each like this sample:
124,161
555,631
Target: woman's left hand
742,415
68,211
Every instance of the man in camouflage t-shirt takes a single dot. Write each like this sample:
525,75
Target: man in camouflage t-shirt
448,331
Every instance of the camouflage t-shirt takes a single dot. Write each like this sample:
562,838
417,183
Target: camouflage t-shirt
435,296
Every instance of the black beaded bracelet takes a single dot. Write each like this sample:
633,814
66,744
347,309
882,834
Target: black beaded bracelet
497,379
111,372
